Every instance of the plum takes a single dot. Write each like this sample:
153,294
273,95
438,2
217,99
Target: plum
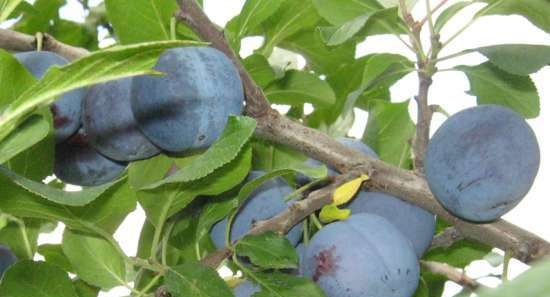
416,224
481,162
188,107
77,163
351,143
7,258
246,289
109,122
67,109
265,202
364,255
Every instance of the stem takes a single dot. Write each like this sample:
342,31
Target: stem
304,188
460,31
148,287
169,229
455,55
173,28
305,233
506,265
316,221
432,11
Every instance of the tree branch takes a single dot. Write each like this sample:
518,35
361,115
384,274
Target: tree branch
524,245
452,274
20,42
446,238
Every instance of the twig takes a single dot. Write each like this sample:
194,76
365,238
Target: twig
432,11
452,274
412,187
446,238
19,42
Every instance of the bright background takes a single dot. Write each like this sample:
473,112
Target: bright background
448,90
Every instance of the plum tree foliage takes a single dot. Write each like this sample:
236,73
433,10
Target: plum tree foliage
175,118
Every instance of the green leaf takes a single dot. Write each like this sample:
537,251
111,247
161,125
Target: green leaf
85,290
493,86
389,131
536,11
39,19
258,67
105,213
100,66
532,283
338,13
165,201
27,278
291,18
299,87
268,250
385,21
278,284
94,259
141,20
460,254
236,134
53,253
79,198
518,59
7,7
21,242
320,57
14,79
253,13
29,133
193,279
449,13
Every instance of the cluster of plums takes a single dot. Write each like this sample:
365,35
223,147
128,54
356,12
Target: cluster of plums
100,129
479,164
373,253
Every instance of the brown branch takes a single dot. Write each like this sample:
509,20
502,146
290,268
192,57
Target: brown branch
452,274
20,42
524,245
446,238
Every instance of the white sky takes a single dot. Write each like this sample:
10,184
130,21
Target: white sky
448,90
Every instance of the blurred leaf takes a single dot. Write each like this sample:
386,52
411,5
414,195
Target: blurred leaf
278,284
534,10
268,250
106,212
40,18
291,18
338,13
100,66
53,253
345,192
299,87
85,290
79,198
193,279
422,290
234,137
94,259
493,86
30,132
75,34
27,278
141,20
330,213
518,59
532,283
389,132
7,7
258,67
253,13
449,13
460,254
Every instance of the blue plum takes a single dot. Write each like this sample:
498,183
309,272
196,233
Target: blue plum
417,224
109,122
246,289
7,258
352,143
481,162
78,163
266,201
188,107
364,255
67,109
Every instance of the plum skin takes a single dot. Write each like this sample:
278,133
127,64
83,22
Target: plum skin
7,258
110,124
265,202
188,107
246,289
415,223
481,162
78,163
67,109
364,255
